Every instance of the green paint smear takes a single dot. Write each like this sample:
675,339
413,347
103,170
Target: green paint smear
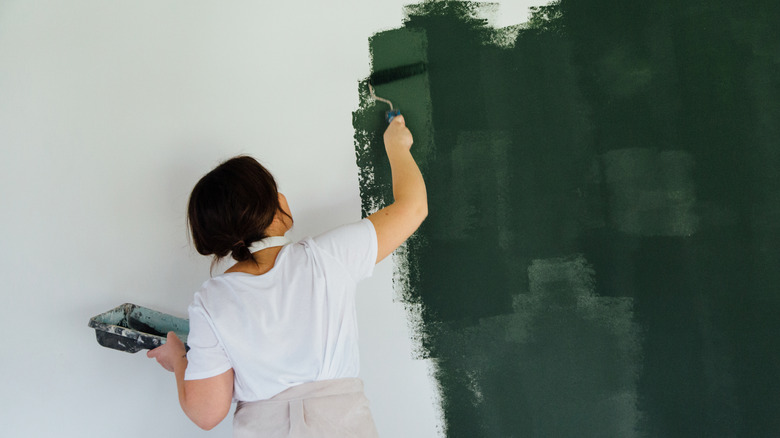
601,254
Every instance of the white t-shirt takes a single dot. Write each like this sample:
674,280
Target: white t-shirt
294,324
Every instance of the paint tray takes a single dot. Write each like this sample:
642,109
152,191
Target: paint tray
132,328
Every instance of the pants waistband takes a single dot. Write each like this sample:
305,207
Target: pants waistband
322,388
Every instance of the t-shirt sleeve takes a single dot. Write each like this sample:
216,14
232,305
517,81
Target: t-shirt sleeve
354,245
207,357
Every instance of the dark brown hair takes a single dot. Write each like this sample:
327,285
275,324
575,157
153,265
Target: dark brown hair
231,207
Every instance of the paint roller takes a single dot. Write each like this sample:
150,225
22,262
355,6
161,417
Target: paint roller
391,75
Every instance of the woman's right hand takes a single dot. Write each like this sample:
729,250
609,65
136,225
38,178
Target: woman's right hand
397,135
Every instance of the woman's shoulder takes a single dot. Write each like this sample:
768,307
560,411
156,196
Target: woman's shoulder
354,232
211,286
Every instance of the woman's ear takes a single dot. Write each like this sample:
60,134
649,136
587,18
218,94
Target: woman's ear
282,219
285,208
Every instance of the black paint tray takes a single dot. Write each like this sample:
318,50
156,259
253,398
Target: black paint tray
132,328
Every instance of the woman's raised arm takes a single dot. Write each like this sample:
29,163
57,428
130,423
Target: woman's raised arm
396,222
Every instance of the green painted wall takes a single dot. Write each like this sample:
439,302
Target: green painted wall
601,256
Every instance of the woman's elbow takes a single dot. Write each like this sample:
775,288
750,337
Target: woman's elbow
208,423
207,417
421,213
418,210
207,426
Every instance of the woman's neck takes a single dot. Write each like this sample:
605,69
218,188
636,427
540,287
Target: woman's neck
260,263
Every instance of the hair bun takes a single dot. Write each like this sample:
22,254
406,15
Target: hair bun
241,251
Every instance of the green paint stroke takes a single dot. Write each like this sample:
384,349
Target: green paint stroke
600,258
651,193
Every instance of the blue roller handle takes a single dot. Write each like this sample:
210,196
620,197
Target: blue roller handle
391,114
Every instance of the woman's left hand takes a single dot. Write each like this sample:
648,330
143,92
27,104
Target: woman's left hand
169,353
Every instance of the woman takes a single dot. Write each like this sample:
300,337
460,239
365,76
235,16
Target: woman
277,331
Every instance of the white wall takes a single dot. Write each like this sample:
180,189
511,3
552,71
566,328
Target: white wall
109,113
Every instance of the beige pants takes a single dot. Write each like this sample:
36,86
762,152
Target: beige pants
326,409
